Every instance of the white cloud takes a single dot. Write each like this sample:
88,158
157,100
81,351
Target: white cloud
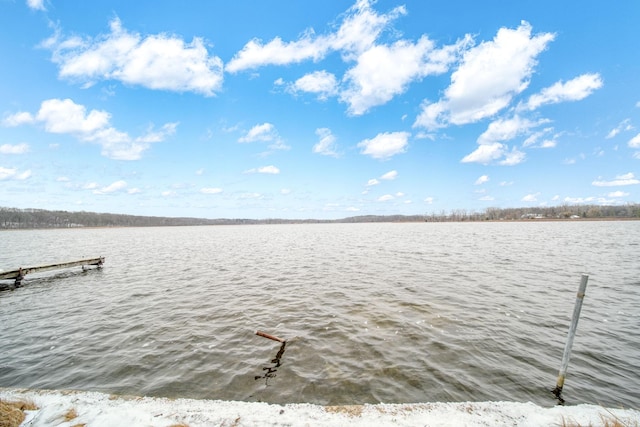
262,132
14,149
111,188
64,116
285,191
327,144
624,125
385,198
507,129
385,145
485,153
359,30
372,182
13,174
391,175
168,193
161,61
488,78
513,157
211,190
384,71
635,141
134,191
36,4
271,170
487,198
531,197
381,71
90,186
17,119
617,194
491,147
481,180
429,200
573,90
322,83
625,179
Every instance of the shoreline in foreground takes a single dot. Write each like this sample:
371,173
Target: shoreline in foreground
64,407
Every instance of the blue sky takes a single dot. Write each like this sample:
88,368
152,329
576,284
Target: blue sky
324,109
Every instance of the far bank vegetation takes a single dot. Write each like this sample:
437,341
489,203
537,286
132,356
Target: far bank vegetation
13,218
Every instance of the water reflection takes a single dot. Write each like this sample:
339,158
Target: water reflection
270,370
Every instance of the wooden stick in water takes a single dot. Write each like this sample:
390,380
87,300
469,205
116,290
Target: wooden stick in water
271,337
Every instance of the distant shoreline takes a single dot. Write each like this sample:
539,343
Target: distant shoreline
13,218
311,222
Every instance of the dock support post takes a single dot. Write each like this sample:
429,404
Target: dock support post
572,333
19,278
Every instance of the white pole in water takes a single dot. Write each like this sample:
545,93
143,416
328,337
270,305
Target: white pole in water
572,333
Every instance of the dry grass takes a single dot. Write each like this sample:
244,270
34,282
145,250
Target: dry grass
70,415
12,413
350,410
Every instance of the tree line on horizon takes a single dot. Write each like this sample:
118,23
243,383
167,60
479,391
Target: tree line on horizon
14,218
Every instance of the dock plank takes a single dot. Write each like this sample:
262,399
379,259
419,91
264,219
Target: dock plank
14,274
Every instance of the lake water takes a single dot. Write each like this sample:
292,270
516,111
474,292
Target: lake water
393,313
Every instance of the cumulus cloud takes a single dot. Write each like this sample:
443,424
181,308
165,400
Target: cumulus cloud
64,116
262,132
211,190
270,170
391,175
13,174
17,119
385,198
385,145
36,4
327,143
491,142
384,71
620,180
617,194
359,29
488,78
265,132
14,149
372,182
161,61
111,188
507,129
625,125
635,141
573,90
531,197
321,83
481,180
381,71
485,153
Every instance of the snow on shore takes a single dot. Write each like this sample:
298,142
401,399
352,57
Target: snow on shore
70,408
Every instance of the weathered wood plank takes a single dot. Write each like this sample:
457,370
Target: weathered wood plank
14,274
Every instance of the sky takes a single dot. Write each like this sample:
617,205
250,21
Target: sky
317,109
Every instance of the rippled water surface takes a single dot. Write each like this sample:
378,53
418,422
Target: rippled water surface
372,312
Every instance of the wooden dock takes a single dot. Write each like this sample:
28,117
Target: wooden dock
19,273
